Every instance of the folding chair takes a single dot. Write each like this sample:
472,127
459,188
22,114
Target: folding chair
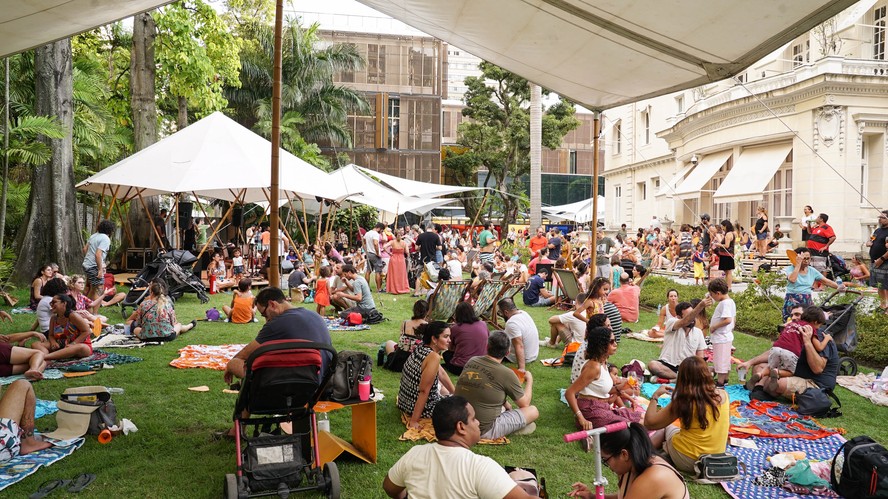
509,291
487,297
445,298
568,286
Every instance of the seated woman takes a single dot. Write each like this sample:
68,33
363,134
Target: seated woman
241,310
20,360
43,276
667,312
701,408
396,353
860,274
590,394
630,455
468,338
155,319
82,302
52,287
423,381
218,269
69,334
109,295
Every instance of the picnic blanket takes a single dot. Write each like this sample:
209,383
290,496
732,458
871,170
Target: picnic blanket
643,336
775,420
735,392
755,460
114,340
93,361
862,384
206,356
427,432
18,468
336,325
47,374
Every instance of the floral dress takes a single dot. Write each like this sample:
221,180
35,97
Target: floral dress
156,322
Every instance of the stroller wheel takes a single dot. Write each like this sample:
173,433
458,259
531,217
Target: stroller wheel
231,491
847,366
331,478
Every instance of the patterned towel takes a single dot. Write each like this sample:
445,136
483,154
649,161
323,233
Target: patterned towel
427,432
755,461
206,356
735,392
47,374
113,340
862,384
643,336
336,325
17,469
93,361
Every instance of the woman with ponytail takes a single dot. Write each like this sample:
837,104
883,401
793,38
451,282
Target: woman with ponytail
630,455
155,319
423,381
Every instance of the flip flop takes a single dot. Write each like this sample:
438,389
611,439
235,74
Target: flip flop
48,487
81,482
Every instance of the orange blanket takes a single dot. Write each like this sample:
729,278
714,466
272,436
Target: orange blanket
206,356
427,432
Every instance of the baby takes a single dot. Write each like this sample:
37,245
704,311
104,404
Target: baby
784,355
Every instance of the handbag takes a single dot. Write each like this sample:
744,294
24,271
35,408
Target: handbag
715,468
817,402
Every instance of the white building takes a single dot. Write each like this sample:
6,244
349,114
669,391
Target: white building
804,126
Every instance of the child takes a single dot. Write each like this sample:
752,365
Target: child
626,389
699,258
242,309
237,264
322,292
721,329
784,355
714,273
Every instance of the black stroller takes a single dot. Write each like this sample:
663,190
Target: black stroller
841,323
283,381
172,267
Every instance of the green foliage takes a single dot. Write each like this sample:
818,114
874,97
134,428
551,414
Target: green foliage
872,329
654,289
349,219
291,139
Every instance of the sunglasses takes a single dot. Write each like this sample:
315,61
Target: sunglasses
613,342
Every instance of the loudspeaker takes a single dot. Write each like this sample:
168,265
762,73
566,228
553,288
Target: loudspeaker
237,217
184,211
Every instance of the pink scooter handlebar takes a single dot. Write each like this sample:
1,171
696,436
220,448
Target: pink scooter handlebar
573,437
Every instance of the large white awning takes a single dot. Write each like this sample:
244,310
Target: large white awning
751,173
706,168
611,52
414,188
668,188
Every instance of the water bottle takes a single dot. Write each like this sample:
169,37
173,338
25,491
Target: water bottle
839,281
323,422
114,389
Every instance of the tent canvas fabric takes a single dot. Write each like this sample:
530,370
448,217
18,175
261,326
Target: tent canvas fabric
612,52
356,187
580,212
414,188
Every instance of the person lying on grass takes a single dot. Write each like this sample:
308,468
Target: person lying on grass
17,422
19,360
69,334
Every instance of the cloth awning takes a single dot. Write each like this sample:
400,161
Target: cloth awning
668,188
357,187
580,212
751,173
414,188
610,52
25,25
705,169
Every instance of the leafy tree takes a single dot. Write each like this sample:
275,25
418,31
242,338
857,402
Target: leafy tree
497,135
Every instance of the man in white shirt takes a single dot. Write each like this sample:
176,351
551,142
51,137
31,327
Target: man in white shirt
448,469
371,249
682,339
522,332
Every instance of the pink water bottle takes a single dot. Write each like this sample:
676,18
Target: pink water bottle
364,389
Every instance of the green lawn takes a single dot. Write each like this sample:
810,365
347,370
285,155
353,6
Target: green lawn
173,455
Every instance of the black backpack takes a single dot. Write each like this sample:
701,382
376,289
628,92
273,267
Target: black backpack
864,469
351,367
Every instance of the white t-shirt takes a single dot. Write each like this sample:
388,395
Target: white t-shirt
97,241
680,344
434,471
522,325
44,314
369,237
455,269
725,308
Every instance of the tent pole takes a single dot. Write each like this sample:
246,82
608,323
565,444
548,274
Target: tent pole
202,210
126,227
148,214
478,214
178,233
596,131
351,208
320,217
329,226
113,200
304,221
218,226
298,224
274,268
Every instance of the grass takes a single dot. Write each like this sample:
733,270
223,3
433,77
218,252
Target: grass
173,456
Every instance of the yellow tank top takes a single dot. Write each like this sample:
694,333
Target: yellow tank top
694,442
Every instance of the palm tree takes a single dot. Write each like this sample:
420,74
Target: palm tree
318,108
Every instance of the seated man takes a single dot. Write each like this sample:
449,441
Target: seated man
487,384
17,422
813,370
298,282
448,469
536,294
522,332
566,327
681,339
337,287
626,297
356,290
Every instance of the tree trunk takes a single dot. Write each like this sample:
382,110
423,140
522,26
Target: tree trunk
49,232
182,118
144,107
5,187
536,151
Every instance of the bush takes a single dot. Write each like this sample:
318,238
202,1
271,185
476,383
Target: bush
872,330
654,288
759,308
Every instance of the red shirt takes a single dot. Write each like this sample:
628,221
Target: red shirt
822,230
537,243
626,299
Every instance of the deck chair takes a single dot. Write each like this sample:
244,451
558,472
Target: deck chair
487,297
509,291
445,298
568,287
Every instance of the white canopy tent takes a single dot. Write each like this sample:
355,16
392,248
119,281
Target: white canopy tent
414,188
607,53
580,212
356,187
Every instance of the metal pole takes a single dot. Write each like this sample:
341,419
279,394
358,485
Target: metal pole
593,250
274,278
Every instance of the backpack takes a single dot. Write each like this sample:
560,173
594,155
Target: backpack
84,410
351,367
373,316
860,469
817,402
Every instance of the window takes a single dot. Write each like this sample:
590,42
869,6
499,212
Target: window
801,54
864,172
778,194
375,63
879,33
642,191
572,162
618,193
741,78
394,122
656,184
618,137
680,104
646,126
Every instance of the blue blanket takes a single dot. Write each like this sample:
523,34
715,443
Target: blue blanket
47,374
735,392
20,467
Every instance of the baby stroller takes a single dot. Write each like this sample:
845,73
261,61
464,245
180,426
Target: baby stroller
172,267
284,380
842,325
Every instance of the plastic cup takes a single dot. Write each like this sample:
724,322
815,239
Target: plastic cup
741,374
105,436
364,390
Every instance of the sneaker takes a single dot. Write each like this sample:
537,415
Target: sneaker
255,319
752,381
527,430
545,343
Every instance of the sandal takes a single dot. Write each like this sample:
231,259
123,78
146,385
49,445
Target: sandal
48,487
81,482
